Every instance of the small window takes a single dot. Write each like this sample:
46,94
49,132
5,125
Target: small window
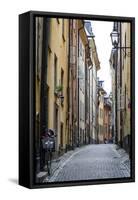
61,134
125,98
125,45
80,49
55,71
74,24
62,79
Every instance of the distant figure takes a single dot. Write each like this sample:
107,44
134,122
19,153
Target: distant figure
105,141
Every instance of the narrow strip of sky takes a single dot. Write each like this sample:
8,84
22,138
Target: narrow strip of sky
102,32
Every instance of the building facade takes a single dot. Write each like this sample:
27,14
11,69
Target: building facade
101,95
57,74
51,84
94,89
93,68
120,62
72,139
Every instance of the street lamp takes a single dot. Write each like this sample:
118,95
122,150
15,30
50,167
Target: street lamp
115,38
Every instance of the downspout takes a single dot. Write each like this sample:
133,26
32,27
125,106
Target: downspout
85,92
72,92
116,65
92,109
121,117
44,114
43,87
89,109
68,79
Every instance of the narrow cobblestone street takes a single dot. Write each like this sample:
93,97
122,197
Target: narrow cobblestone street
93,162
83,101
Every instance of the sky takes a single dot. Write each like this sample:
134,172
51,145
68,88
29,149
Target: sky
103,43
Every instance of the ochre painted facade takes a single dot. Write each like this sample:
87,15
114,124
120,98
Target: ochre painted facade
57,75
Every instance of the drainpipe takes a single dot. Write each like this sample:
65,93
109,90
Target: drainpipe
116,65
43,87
89,110
121,115
85,96
68,79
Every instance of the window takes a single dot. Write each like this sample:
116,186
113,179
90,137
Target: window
62,83
101,113
125,99
82,111
106,129
55,71
56,119
61,134
74,24
125,45
80,49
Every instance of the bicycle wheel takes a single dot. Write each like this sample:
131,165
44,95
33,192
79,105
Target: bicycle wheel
49,162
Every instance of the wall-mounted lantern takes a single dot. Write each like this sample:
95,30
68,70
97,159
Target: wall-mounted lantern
115,38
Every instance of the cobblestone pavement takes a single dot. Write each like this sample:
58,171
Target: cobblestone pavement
99,161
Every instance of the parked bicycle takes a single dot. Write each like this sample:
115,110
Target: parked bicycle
49,146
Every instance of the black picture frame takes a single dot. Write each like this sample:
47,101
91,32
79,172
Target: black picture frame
27,98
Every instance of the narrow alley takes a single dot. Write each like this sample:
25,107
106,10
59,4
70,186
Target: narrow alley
83,99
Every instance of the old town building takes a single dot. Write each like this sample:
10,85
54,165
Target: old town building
104,115
93,83
72,138
51,82
79,84
101,95
57,74
94,88
120,62
84,61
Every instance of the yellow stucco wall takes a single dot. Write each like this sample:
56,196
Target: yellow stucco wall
126,76
59,47
101,118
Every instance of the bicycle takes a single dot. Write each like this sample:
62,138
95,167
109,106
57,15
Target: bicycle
48,158
49,148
